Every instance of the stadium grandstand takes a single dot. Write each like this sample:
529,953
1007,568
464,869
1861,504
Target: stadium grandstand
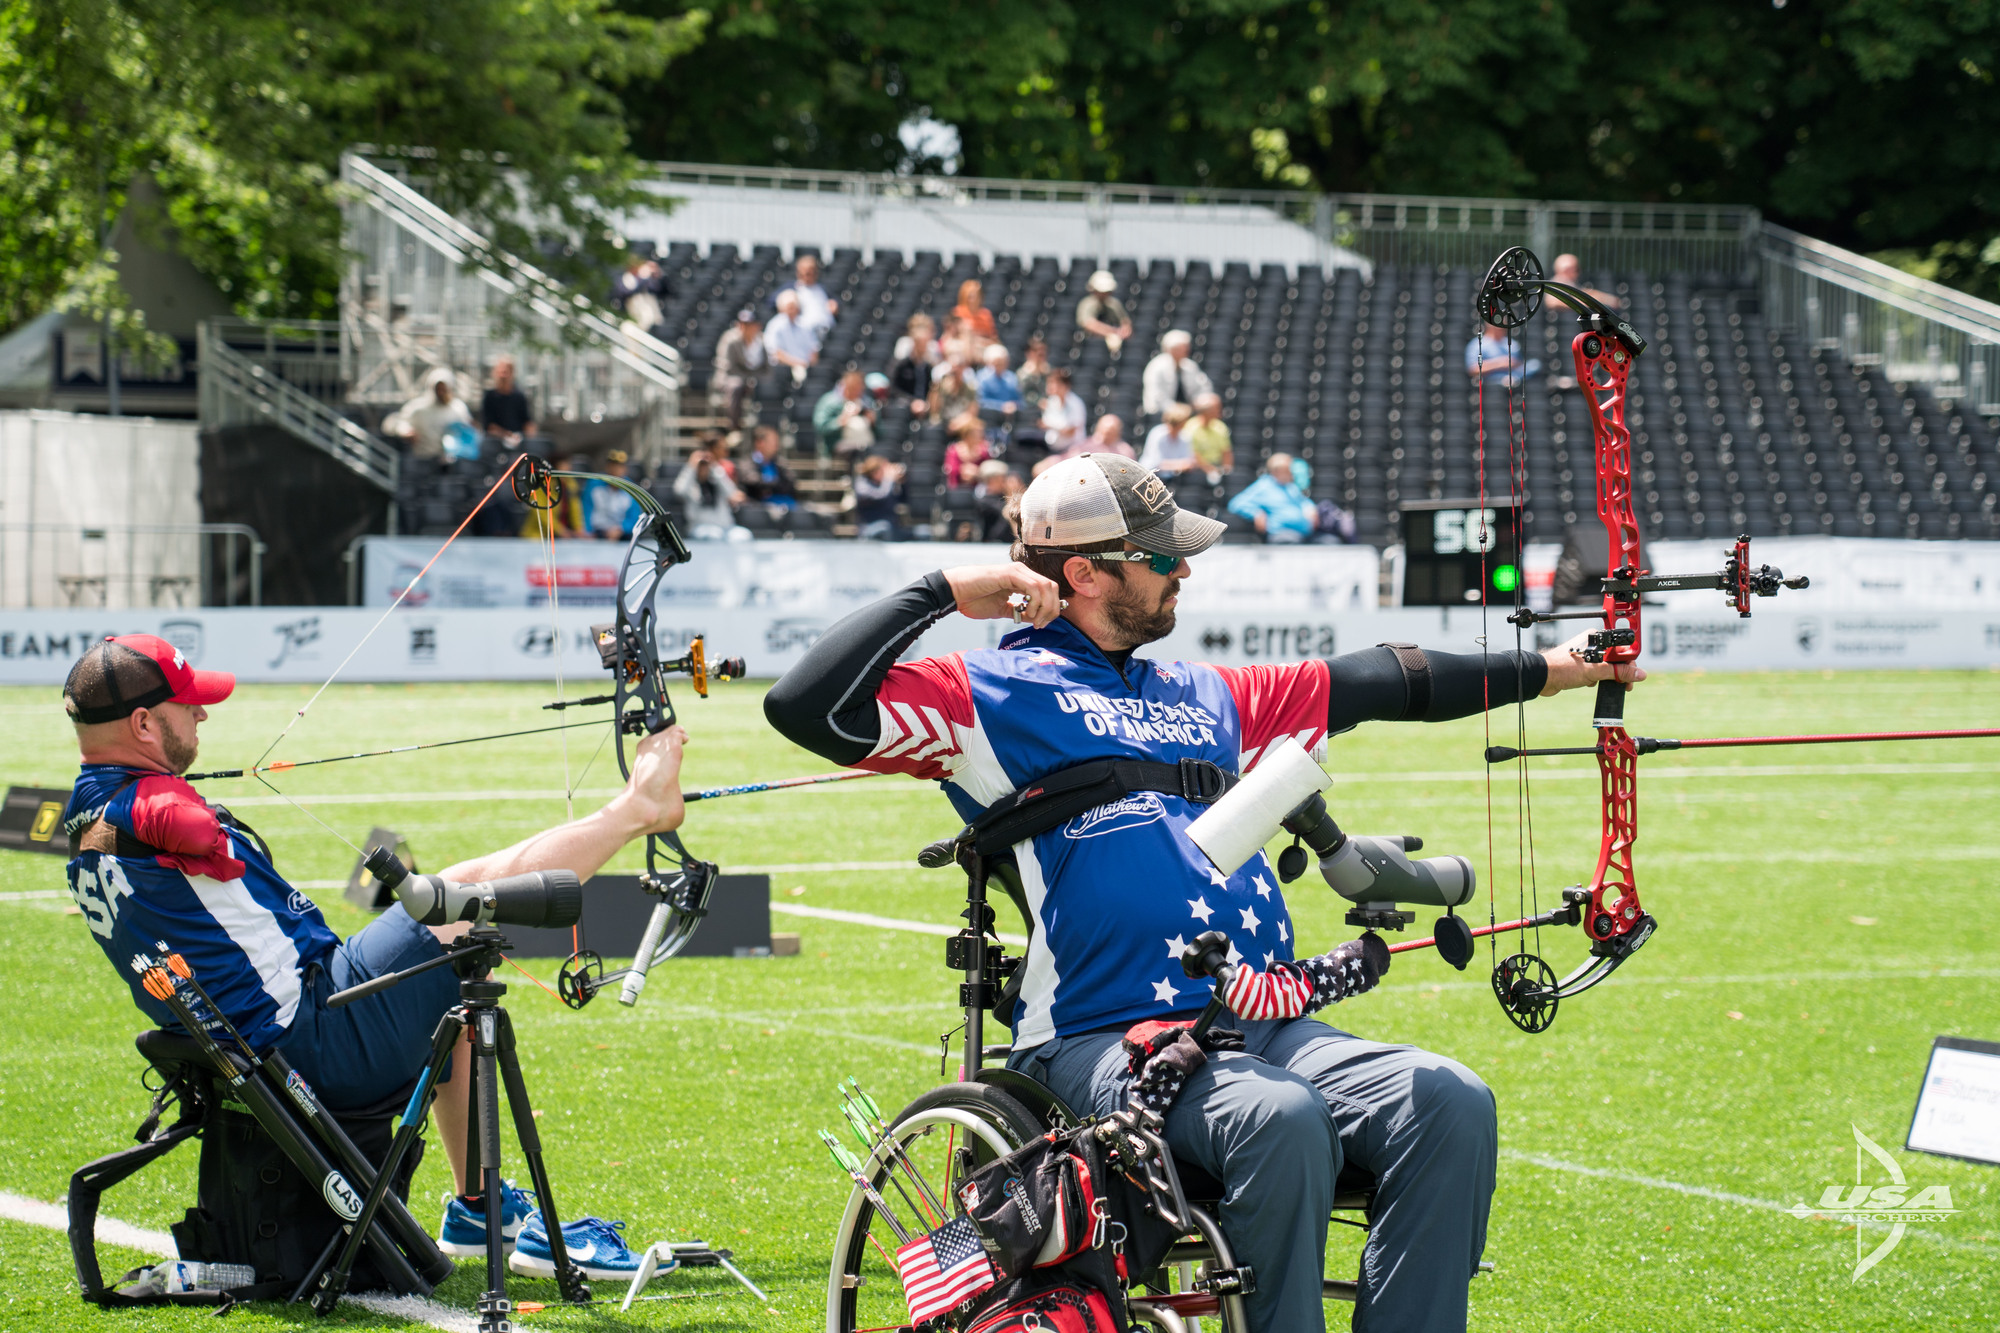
1790,389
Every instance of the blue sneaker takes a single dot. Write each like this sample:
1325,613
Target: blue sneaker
593,1244
463,1231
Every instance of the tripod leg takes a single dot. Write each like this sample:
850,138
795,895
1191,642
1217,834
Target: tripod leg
334,1281
568,1276
484,1157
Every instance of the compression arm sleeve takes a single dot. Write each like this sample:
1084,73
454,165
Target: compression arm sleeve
1422,685
827,701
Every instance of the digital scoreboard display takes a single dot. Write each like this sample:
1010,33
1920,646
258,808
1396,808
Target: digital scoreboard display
1447,544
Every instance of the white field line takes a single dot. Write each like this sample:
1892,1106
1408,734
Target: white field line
34,895
1725,1196
882,922
54,1216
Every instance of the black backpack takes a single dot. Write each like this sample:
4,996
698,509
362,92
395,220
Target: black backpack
253,1206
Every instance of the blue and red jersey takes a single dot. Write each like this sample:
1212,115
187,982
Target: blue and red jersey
209,892
1118,891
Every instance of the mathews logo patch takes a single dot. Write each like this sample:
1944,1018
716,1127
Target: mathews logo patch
1127,812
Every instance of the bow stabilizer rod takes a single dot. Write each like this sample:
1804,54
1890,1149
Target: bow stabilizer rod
1500,754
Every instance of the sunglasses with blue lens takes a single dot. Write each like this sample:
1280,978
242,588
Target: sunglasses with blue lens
1159,564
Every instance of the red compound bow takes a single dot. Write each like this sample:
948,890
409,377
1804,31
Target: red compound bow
1608,907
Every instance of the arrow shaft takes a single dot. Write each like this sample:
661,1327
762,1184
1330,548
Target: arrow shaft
282,764
751,788
1478,933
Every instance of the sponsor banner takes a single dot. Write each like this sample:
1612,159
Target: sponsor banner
815,577
305,645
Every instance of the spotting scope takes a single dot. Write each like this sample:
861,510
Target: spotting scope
540,898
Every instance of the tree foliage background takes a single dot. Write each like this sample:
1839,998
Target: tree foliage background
1872,123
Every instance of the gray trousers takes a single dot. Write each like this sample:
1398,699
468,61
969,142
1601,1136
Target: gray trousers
1276,1121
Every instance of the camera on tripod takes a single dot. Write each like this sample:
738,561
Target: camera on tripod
539,898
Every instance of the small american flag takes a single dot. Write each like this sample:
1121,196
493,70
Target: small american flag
942,1269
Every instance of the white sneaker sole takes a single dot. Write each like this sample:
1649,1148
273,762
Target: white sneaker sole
478,1251
529,1266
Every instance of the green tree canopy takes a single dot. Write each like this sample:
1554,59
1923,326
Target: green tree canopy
1873,123
240,110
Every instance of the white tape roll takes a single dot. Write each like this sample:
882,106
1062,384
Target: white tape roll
1236,827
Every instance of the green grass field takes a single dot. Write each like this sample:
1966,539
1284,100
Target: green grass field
1823,914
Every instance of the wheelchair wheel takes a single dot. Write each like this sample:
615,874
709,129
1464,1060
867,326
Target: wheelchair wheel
939,1138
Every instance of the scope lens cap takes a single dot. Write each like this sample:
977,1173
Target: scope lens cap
1291,863
1454,941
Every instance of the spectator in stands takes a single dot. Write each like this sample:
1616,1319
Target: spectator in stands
1335,524
996,485
1034,372
1101,314
1277,502
740,358
721,445
503,409
1568,270
844,417
953,393
964,455
917,356
959,344
426,418
1168,449
1497,358
788,342
1064,417
1172,376
999,388
766,477
641,292
971,309
709,498
1107,438
1208,433
878,490
609,512
816,309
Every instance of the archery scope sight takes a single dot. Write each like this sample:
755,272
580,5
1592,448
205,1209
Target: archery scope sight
1373,873
539,898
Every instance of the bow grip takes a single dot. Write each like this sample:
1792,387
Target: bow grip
1610,711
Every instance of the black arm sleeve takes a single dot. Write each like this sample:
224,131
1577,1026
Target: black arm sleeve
827,702
1374,685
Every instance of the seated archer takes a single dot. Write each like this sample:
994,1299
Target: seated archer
1117,894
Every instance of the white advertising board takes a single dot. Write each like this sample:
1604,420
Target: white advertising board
270,644
819,577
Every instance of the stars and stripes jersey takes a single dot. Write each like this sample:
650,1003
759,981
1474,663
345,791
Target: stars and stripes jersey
210,893
1118,891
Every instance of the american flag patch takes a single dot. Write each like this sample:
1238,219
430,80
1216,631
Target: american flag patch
942,1269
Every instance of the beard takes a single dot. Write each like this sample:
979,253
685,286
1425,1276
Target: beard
179,750
1139,619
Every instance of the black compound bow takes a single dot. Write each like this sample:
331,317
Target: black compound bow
641,706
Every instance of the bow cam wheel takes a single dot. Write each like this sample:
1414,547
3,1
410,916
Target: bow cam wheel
1512,292
1526,989
534,485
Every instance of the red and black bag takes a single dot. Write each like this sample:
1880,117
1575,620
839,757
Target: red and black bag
1048,1306
1038,1206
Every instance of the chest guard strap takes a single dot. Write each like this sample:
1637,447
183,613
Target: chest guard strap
1056,798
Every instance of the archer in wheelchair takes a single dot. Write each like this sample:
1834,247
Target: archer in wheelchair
1080,770
160,874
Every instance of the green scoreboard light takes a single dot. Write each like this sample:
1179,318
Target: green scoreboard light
1448,543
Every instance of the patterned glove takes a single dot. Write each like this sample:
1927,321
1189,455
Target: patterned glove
1289,990
1163,1060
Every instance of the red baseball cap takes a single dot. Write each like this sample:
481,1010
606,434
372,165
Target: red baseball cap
121,675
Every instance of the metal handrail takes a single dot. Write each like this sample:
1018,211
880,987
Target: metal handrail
230,378
1891,286
512,276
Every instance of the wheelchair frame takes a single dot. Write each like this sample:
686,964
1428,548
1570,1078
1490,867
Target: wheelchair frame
1002,1109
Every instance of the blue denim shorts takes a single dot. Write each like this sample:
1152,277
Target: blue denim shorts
363,1053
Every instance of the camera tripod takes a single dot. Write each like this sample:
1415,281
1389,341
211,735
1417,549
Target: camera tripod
478,1011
